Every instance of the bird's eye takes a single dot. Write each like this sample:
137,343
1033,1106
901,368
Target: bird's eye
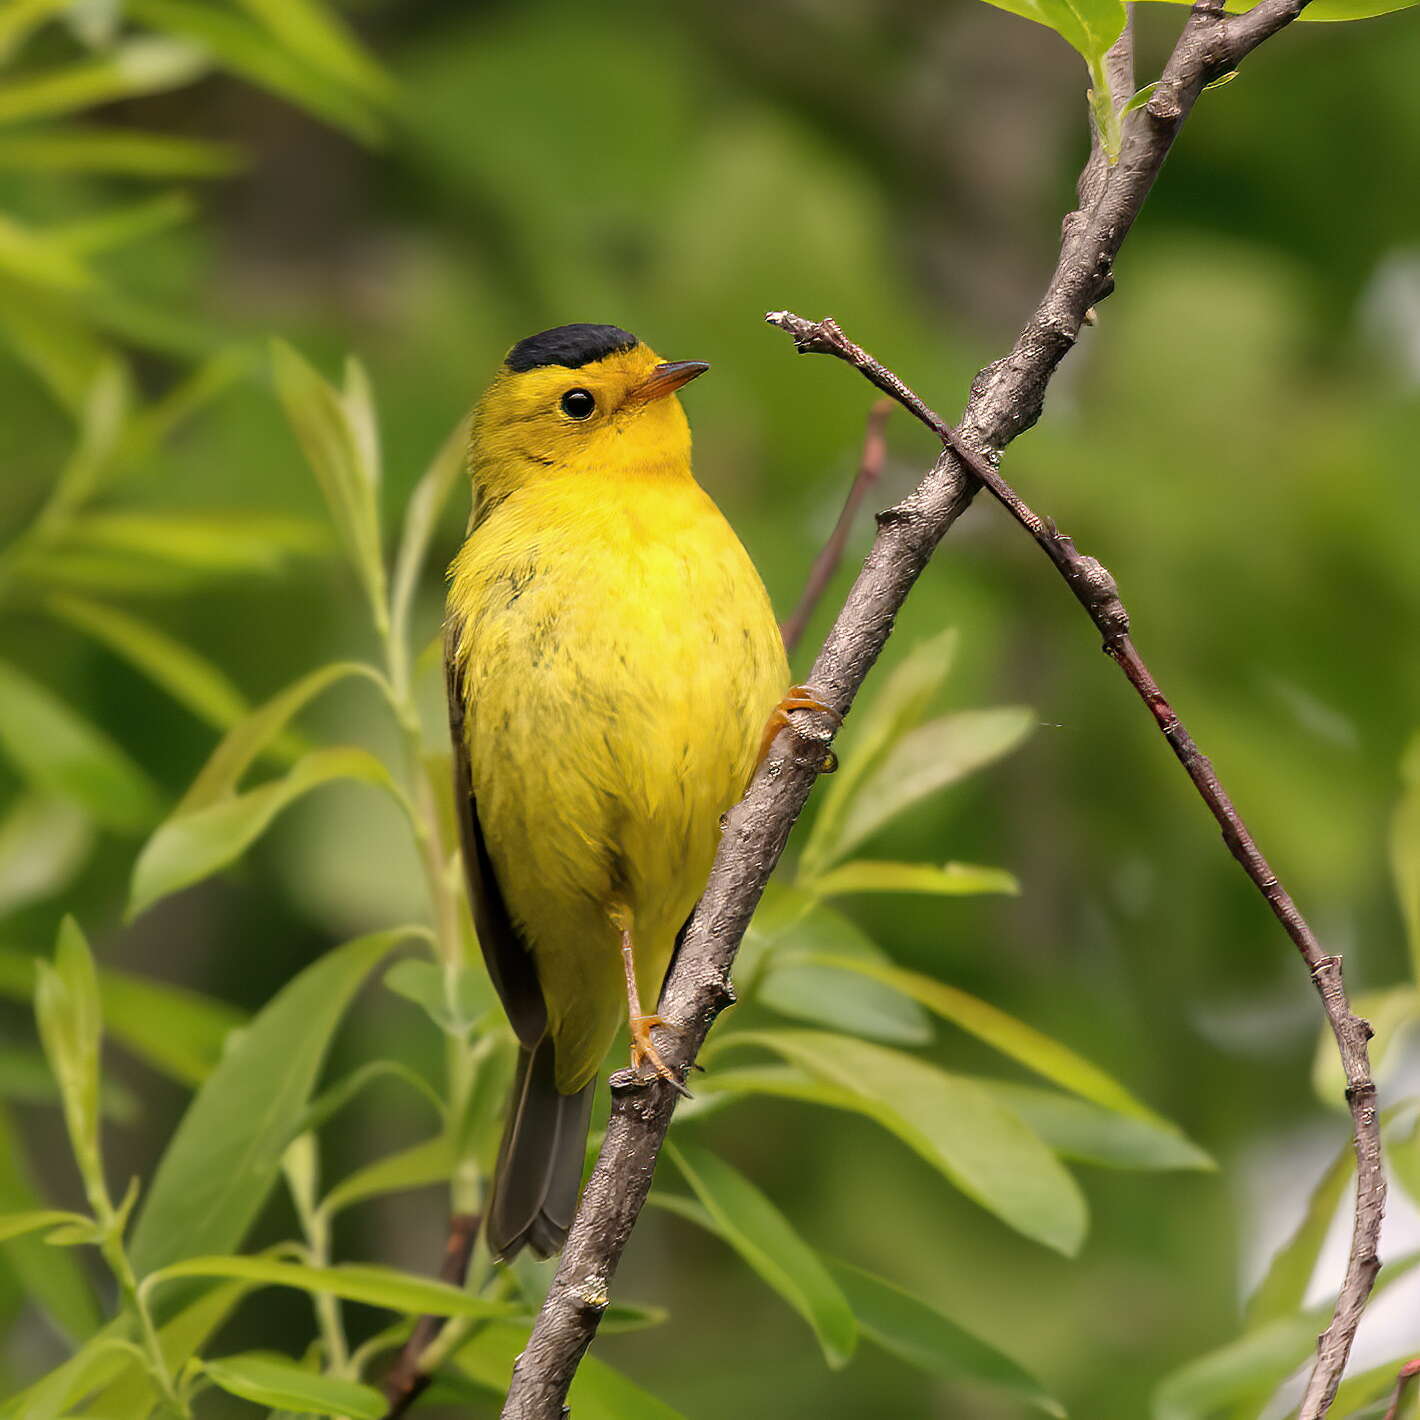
579,404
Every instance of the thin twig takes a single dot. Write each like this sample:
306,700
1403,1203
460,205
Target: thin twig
1097,592
1403,1382
407,1379
870,470
1007,398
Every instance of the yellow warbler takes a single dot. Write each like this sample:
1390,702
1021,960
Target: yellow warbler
612,661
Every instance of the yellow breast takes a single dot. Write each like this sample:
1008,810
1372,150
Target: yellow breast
620,660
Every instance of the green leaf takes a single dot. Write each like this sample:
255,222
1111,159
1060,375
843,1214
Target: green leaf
330,1102
15,1225
193,845
954,1123
800,980
44,841
598,1392
1405,853
429,987
1256,1362
229,544
312,32
950,880
58,751
375,1286
248,51
768,1242
916,1332
1282,1291
923,761
898,705
1088,26
421,517
416,1167
336,432
20,18
51,1277
70,1028
226,1155
104,230
93,149
1078,1129
148,64
1012,1037
180,1032
1403,1156
35,257
267,1381
188,677
133,1392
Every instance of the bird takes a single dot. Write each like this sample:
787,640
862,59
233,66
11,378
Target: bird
614,673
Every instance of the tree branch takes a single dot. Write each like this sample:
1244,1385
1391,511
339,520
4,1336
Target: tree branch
1096,591
870,469
1006,398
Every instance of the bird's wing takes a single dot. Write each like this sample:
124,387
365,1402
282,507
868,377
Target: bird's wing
509,962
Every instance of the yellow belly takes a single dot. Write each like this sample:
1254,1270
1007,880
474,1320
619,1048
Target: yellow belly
620,662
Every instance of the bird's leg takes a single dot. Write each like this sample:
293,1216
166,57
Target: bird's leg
799,697
639,1025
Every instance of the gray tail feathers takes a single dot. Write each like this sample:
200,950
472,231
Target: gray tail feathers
539,1169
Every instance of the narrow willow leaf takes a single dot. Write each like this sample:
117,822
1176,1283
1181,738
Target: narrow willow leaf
416,1167
1367,1396
899,703
1088,26
769,1243
106,1357
62,351
375,1286
312,31
949,880
20,18
230,761
92,149
226,1155
107,229
34,257
598,1392
987,1152
191,679
51,1277
336,431
916,1332
266,1381
1077,1129
330,1102
219,545
421,517
1256,1362
238,45
801,981
1012,1037
1283,1289
148,64
59,751
455,1007
180,1032
70,1028
44,841
926,760
1405,853
193,845
133,1392
15,1225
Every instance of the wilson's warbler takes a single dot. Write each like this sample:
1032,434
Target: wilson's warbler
612,662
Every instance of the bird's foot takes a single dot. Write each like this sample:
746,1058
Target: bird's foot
799,697
644,1052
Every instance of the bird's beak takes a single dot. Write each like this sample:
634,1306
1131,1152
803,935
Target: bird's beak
665,379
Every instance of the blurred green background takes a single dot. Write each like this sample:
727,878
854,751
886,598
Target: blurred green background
1235,438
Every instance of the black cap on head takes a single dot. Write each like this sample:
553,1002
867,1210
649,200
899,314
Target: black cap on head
569,345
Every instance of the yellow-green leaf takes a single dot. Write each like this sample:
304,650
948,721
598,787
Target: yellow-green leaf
949,880
266,1380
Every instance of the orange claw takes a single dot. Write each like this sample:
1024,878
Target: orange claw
798,697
